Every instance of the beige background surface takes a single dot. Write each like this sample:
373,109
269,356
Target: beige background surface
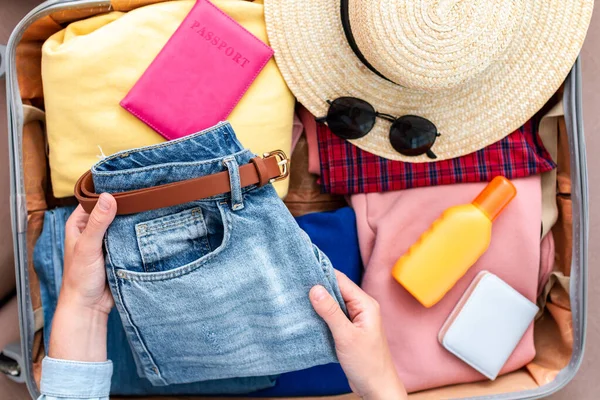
586,386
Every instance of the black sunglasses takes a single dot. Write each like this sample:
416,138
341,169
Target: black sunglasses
352,118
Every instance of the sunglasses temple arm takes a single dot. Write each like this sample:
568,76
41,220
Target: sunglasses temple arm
387,117
431,154
321,120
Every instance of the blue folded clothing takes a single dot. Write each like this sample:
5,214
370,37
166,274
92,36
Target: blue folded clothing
335,234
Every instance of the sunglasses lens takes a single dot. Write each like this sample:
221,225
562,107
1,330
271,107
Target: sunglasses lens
350,118
412,135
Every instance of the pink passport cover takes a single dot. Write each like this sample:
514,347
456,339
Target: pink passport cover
200,74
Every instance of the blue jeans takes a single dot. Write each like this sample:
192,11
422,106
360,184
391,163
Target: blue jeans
48,262
215,288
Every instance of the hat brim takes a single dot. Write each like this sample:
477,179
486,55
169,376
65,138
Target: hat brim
318,65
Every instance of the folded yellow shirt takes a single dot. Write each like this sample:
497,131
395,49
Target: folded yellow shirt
88,67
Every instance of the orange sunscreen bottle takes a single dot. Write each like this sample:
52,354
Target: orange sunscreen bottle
453,243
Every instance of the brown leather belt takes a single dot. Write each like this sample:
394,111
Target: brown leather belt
260,171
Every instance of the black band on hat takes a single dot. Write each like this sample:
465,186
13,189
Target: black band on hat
345,13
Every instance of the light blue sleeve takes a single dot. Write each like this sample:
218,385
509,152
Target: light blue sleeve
63,379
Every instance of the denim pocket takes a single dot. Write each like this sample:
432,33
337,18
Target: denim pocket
171,241
171,245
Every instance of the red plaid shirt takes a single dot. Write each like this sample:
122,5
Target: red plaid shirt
346,169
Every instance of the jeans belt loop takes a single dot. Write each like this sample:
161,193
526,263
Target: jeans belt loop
237,201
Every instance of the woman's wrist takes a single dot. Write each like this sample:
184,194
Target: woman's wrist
385,388
78,332
387,393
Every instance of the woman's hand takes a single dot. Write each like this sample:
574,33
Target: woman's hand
360,341
84,276
80,321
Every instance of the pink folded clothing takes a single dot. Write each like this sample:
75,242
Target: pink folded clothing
547,254
310,129
388,223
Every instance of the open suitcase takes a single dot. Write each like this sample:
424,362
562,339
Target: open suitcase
560,332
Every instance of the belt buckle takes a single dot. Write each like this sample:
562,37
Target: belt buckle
283,162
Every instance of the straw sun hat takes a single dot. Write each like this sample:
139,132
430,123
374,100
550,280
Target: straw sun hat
477,69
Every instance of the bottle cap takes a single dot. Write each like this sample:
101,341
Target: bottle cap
495,197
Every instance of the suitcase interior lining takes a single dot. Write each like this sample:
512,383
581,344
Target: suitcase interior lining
553,330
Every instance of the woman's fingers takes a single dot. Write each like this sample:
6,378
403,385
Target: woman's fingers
329,309
74,226
357,301
349,289
101,217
